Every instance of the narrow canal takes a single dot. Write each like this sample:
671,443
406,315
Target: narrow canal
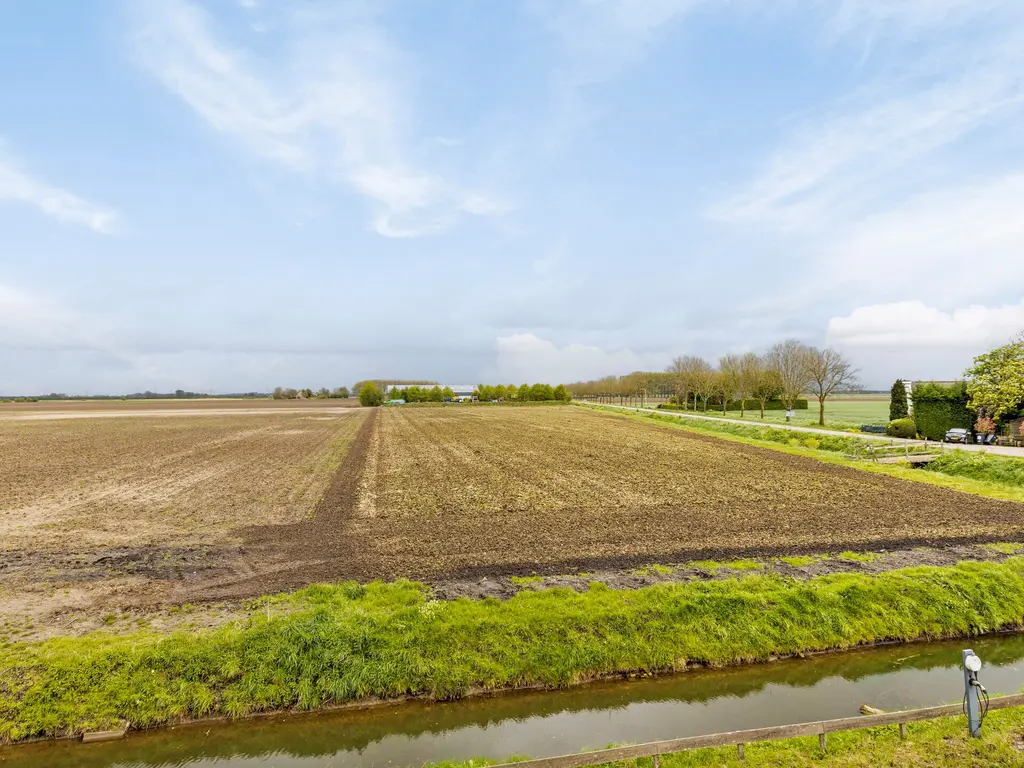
558,722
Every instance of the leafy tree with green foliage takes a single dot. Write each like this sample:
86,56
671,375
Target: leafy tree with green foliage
448,393
561,394
996,385
524,393
370,395
898,401
435,395
541,393
341,392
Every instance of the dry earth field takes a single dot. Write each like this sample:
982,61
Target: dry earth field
473,491
155,508
115,509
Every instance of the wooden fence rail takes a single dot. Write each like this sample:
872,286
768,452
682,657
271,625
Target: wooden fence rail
821,729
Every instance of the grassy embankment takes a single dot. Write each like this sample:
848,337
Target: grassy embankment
336,643
942,743
843,416
998,477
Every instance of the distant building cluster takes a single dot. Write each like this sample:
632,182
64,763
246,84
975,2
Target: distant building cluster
462,391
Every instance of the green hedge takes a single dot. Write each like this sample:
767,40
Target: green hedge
939,408
902,428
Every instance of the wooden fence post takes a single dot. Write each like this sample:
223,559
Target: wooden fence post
903,730
821,742
740,749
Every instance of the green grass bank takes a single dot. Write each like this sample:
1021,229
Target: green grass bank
330,644
941,743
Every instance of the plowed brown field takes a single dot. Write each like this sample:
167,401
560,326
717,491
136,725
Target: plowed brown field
450,491
139,481
100,513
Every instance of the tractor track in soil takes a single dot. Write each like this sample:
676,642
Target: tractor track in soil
280,558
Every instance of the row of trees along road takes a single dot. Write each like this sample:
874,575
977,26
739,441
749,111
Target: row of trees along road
783,373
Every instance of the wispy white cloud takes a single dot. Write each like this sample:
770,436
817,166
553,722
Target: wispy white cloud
18,186
955,242
872,19
847,159
600,37
328,102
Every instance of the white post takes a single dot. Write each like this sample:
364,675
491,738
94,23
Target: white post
971,692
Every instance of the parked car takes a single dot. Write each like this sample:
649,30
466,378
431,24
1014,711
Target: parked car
957,435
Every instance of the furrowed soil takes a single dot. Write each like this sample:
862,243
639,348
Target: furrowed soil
133,514
97,512
474,492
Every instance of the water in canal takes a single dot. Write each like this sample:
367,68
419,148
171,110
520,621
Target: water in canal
558,722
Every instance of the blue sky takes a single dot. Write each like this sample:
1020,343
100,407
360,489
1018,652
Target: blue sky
233,195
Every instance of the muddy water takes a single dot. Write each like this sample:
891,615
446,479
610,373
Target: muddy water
557,722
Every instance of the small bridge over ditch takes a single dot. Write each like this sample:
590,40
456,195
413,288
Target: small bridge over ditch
914,452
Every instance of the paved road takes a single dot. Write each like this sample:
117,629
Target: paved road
1001,450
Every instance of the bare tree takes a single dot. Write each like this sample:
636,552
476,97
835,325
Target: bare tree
829,371
677,369
685,369
765,382
790,361
749,367
721,387
731,371
703,382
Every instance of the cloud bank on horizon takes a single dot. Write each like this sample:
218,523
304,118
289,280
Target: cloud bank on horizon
229,196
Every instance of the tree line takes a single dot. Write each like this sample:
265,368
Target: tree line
524,393
784,372
422,394
288,393
484,392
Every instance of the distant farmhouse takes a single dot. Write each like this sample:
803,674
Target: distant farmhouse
462,391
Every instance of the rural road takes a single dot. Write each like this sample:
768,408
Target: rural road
1000,450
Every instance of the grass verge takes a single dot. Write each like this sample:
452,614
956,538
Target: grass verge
335,643
941,743
998,484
